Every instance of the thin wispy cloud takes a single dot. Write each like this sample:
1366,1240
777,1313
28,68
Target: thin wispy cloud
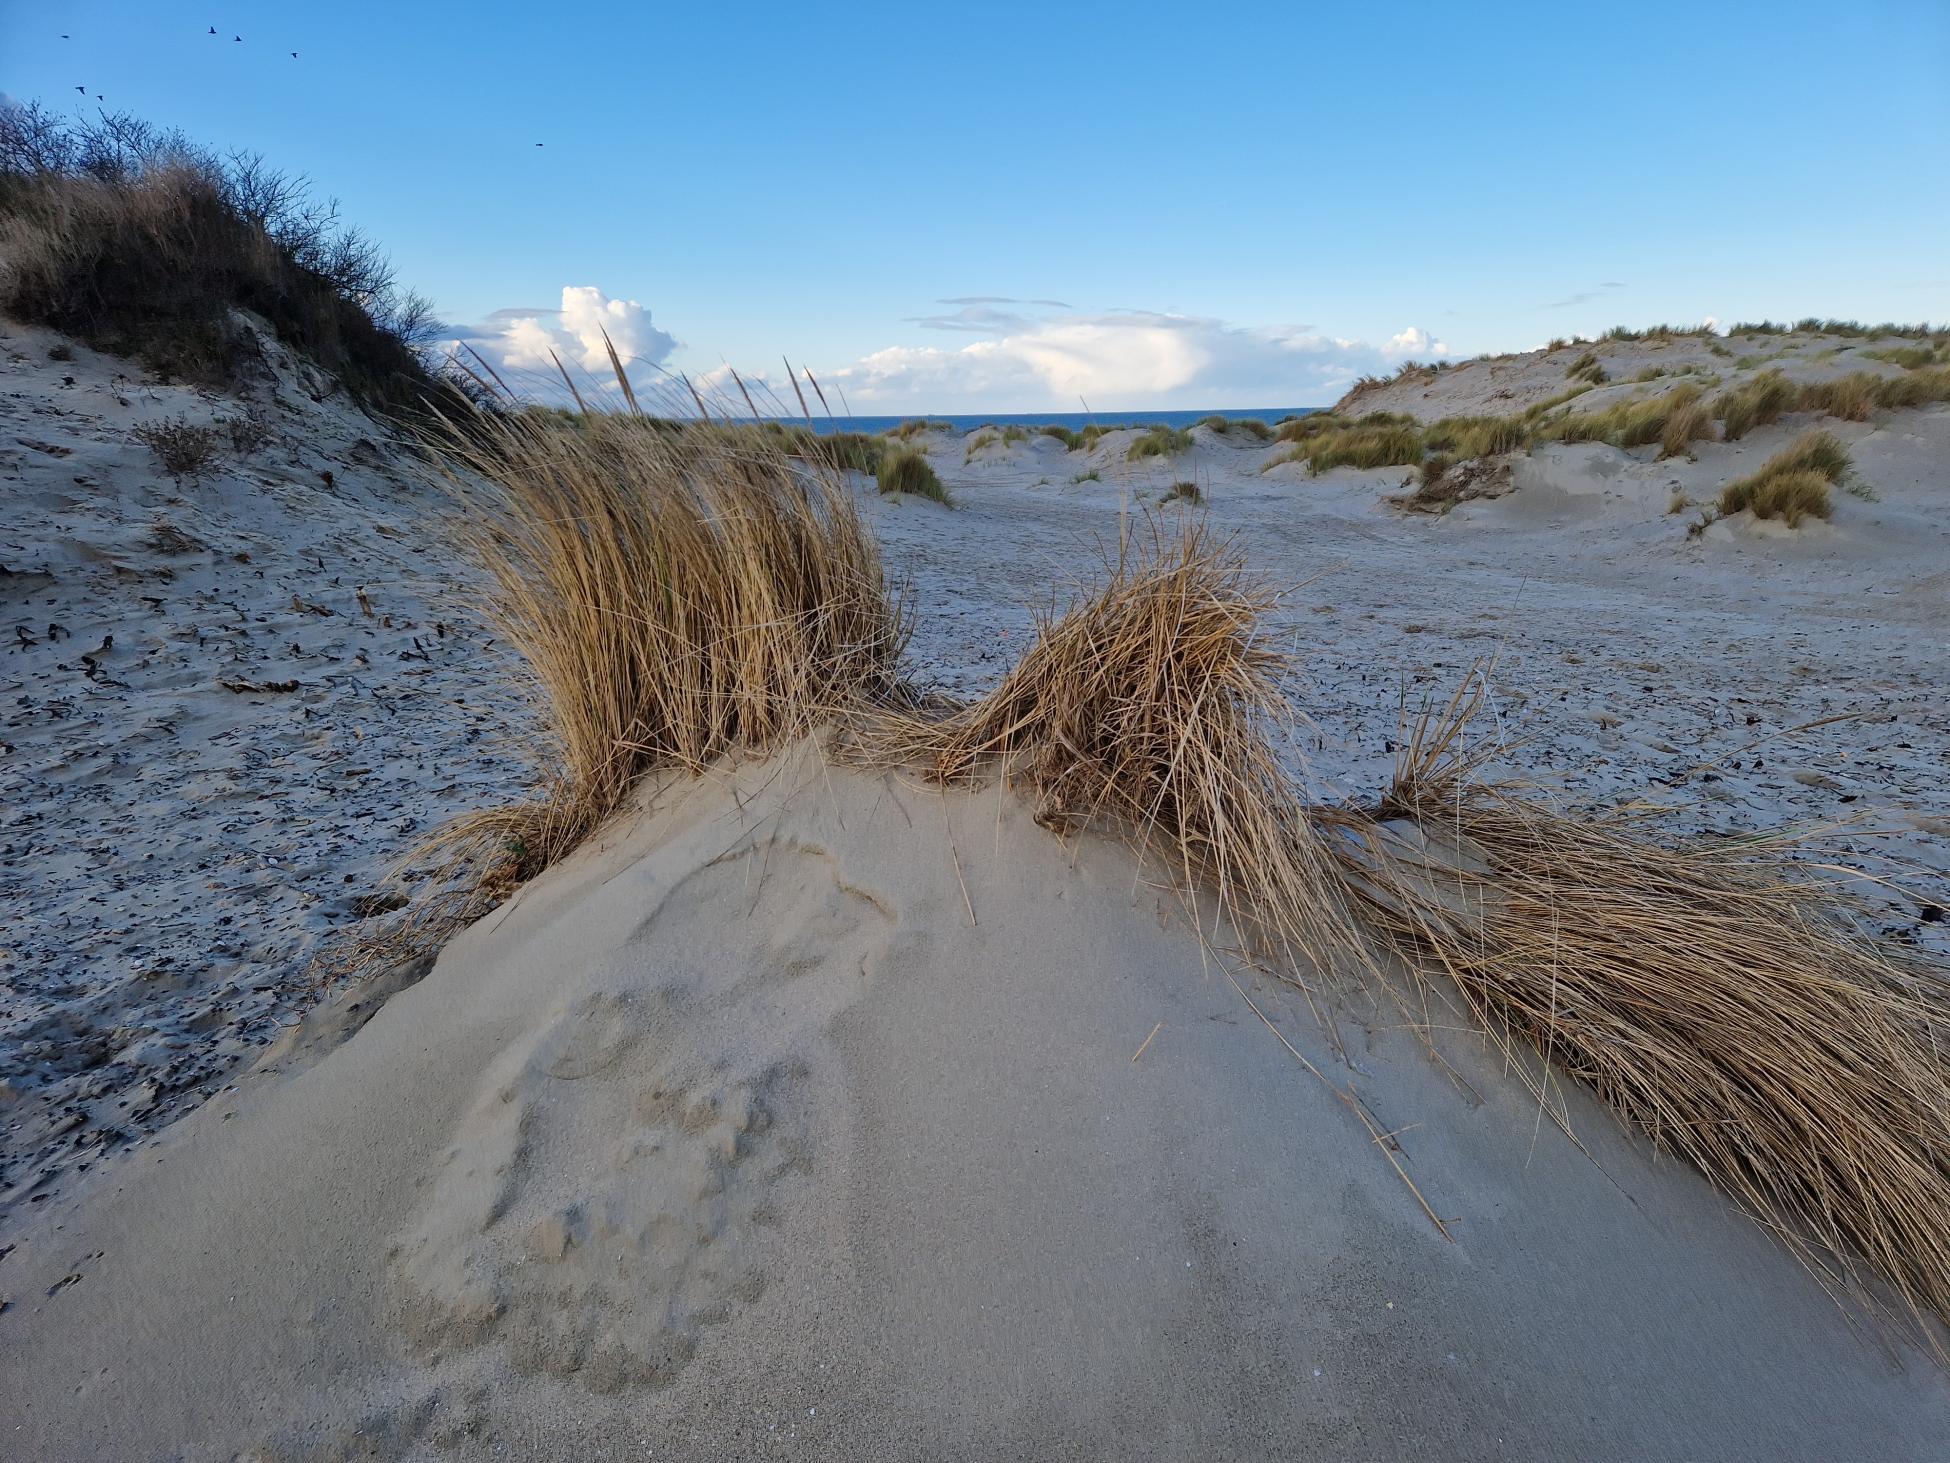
978,315
999,300
1582,297
978,319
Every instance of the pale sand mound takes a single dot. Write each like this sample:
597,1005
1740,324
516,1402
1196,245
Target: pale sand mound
732,1130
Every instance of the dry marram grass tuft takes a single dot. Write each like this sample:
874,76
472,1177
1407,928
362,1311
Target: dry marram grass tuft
674,596
1715,994
1793,484
905,470
1147,707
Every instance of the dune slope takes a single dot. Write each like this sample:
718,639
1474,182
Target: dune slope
802,1106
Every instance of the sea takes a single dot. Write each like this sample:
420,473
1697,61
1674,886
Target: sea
1076,421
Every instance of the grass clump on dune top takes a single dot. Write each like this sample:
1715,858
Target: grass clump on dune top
1673,419
1586,369
918,427
1250,426
1149,708
906,471
1092,434
1913,357
1914,388
1789,496
1300,429
1712,993
1158,442
1755,403
1793,484
1477,436
1851,397
1851,328
1855,396
679,596
846,451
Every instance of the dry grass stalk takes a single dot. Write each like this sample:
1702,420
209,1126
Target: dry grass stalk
1148,707
674,596
1712,993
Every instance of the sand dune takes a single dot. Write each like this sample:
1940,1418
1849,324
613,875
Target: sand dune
1498,385
1752,676
229,701
734,1130
803,1105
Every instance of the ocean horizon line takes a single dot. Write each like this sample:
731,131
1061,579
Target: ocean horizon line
1075,420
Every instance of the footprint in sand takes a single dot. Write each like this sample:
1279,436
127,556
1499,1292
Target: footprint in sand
594,1212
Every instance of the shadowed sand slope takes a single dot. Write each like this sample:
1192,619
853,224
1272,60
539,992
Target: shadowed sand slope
802,1106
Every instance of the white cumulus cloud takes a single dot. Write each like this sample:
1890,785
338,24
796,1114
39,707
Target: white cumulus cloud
1124,360
1414,342
1048,359
576,333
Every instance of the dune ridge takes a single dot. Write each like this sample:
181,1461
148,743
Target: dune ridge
734,1125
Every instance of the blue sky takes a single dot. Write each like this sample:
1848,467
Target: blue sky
1218,205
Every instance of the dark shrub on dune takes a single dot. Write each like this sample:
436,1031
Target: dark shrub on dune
140,243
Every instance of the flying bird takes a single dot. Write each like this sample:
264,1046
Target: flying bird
213,30
84,91
236,38
539,144
294,55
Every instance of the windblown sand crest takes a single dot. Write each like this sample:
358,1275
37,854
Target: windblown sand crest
803,1105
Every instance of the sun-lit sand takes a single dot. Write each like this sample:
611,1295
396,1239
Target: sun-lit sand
737,1125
